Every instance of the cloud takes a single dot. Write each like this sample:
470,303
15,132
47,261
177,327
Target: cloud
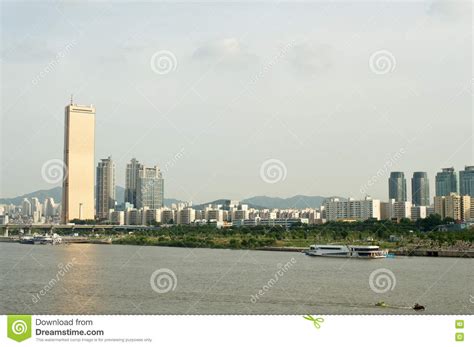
229,51
311,58
450,8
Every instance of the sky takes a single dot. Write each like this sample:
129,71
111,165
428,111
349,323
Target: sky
238,99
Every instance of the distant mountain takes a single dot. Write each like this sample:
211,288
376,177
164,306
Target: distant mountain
258,202
297,201
222,202
56,194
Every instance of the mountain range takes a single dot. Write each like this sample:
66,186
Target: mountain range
258,202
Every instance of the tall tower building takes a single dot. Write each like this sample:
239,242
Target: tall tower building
49,207
420,189
466,181
26,207
105,187
78,182
150,188
131,181
397,186
446,182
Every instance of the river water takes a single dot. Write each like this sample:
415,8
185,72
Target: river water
105,279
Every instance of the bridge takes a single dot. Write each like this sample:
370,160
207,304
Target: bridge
49,228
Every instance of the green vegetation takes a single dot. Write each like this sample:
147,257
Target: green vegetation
388,234
385,233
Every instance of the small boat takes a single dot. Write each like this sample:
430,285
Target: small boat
341,251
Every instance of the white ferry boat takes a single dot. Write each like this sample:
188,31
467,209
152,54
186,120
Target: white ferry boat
340,251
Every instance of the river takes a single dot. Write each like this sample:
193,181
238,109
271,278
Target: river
115,279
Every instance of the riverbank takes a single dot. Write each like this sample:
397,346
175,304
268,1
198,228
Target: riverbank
404,251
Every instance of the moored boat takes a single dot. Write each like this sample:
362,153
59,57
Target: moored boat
341,251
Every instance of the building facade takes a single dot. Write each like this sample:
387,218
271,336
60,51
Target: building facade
466,181
105,188
150,188
457,207
78,179
420,189
131,181
446,182
352,209
397,186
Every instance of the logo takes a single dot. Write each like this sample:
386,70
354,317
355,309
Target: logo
273,171
459,337
19,327
163,62
163,281
382,62
382,280
316,321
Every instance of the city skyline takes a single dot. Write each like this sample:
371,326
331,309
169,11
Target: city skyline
233,101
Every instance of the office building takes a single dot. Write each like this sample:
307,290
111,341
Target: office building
131,181
150,188
397,186
420,189
446,182
78,182
466,181
105,188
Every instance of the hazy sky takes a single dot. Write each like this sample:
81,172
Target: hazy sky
331,91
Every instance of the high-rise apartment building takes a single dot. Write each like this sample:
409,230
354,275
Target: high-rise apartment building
446,182
352,209
26,207
49,207
150,188
457,207
397,186
131,181
78,181
420,189
395,209
105,188
466,181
